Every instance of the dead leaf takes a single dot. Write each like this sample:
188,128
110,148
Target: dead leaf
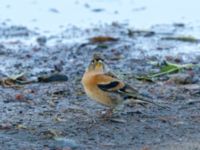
19,97
53,78
13,80
58,119
167,118
5,126
21,126
117,120
145,148
183,39
50,134
101,39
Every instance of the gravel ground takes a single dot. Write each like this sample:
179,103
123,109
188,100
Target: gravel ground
58,115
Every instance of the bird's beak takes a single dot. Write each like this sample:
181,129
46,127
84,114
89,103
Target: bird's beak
99,65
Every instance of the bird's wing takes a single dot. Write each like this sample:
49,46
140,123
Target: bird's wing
110,83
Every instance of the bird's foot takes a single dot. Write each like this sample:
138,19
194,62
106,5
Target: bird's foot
112,115
106,113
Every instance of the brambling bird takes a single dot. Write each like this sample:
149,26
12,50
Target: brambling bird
106,88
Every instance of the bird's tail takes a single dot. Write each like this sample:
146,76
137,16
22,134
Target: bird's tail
144,99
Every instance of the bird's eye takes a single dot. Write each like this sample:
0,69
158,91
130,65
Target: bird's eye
92,62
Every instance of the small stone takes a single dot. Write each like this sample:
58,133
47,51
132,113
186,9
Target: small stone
65,142
41,40
182,78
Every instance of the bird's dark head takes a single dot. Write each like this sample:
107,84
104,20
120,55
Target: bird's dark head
97,63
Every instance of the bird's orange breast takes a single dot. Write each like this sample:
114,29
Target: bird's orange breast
90,83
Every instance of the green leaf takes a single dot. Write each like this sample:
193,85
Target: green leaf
167,68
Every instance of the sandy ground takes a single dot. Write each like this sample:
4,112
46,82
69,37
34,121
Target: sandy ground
58,115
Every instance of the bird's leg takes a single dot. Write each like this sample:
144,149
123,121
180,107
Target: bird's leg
114,111
117,110
107,113
113,114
